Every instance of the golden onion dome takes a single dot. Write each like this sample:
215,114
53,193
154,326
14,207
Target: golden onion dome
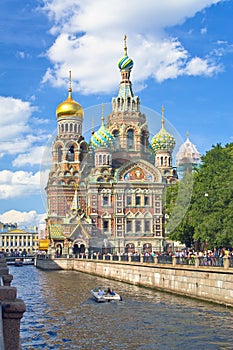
69,107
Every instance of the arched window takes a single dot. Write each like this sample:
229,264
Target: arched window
116,139
59,154
130,139
70,154
75,128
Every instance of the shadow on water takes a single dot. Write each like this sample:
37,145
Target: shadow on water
61,314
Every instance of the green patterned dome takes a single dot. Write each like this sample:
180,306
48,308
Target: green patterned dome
102,138
163,140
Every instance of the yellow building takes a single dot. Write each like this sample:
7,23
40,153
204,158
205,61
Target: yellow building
18,241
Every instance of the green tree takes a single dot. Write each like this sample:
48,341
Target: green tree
211,206
209,216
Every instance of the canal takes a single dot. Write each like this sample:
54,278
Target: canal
62,315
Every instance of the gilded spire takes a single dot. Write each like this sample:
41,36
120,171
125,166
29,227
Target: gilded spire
93,125
70,87
162,117
70,81
187,134
102,118
125,45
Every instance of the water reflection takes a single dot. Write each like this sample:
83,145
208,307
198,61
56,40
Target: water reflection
62,315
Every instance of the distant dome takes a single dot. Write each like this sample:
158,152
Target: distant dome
102,138
188,154
69,108
163,140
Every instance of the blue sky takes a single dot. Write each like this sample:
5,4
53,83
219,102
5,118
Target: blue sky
183,59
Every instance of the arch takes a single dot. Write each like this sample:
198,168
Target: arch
70,154
59,151
130,248
130,138
147,248
144,139
79,248
58,248
100,179
116,134
83,150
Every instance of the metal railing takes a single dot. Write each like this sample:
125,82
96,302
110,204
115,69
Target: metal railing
157,259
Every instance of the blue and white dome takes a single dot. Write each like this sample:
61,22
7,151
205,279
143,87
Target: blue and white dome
102,138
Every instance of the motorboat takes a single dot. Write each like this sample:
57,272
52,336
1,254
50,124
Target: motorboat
18,262
105,294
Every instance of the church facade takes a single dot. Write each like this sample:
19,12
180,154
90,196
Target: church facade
107,193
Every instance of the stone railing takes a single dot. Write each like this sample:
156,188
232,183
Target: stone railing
12,310
196,261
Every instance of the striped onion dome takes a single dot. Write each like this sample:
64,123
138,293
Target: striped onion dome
125,63
102,137
163,140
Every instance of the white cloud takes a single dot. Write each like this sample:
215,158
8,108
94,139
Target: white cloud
203,30
35,156
19,130
19,183
31,218
197,66
89,41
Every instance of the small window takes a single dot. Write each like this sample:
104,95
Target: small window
147,225
138,200
146,200
105,200
129,200
105,225
129,225
138,225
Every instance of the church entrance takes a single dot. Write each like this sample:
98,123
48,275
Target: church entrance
79,248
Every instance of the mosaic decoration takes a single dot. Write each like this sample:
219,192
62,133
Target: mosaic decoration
56,231
138,174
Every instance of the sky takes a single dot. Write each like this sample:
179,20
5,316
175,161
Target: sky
183,60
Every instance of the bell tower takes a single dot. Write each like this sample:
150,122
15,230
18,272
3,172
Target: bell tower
69,151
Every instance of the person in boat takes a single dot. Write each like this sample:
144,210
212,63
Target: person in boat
110,291
100,292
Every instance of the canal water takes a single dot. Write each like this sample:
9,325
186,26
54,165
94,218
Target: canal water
62,315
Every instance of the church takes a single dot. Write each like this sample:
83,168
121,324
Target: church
106,194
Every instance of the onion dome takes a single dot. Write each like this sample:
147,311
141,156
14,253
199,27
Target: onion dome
69,107
102,137
125,63
188,153
163,140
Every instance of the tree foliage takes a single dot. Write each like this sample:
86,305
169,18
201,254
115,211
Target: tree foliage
209,216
